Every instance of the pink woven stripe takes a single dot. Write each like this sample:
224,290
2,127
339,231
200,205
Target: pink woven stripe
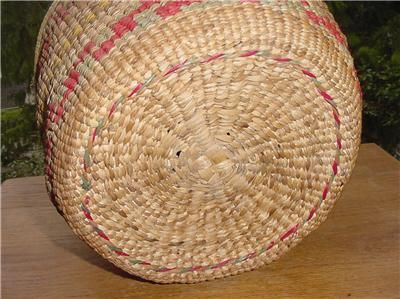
325,23
124,25
55,112
305,3
213,57
82,55
61,11
249,53
121,27
175,68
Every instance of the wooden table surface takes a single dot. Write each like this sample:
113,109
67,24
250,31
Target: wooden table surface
354,254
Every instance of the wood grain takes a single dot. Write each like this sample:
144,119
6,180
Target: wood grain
354,254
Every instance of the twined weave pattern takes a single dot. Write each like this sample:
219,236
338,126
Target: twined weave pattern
187,141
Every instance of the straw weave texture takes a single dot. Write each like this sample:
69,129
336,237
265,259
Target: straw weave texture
187,141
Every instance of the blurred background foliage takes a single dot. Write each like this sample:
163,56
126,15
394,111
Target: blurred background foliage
20,22
372,30
373,34
21,149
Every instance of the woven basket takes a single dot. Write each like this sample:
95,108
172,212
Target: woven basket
187,141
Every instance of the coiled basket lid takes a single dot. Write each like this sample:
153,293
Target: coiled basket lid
187,141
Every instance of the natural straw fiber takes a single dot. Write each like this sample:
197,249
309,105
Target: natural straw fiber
187,141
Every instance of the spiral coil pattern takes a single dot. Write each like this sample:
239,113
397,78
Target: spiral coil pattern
193,140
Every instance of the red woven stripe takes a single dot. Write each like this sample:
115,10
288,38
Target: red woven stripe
56,113
103,235
325,95
334,167
112,109
74,75
339,143
82,54
121,253
325,23
51,113
325,192
221,264
136,89
121,27
312,212
107,45
98,54
87,215
146,4
336,117
175,68
94,134
126,22
271,245
89,46
305,72
283,236
70,83
289,232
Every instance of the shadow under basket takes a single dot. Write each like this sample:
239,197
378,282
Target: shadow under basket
188,141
